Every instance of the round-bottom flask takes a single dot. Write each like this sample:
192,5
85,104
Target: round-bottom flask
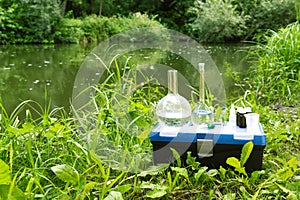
173,109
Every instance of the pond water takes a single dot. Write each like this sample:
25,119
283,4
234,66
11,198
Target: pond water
39,71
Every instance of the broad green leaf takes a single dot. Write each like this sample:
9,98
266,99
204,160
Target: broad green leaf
144,134
148,185
255,176
113,195
293,162
246,151
181,171
198,174
234,162
222,171
176,156
87,189
4,189
66,173
191,161
17,194
156,194
13,130
286,174
49,135
5,174
212,172
123,188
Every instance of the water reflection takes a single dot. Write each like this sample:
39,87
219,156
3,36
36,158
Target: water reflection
28,71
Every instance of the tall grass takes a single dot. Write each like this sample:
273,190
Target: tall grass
47,158
276,76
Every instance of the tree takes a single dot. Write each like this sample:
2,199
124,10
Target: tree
33,20
217,20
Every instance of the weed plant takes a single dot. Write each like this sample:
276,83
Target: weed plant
47,158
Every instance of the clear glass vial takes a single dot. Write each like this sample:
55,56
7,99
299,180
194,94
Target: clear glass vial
202,115
173,109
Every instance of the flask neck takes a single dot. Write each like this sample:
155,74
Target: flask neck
202,83
172,82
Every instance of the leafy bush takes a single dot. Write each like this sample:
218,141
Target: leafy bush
29,21
276,75
217,21
8,26
265,15
69,31
227,20
94,29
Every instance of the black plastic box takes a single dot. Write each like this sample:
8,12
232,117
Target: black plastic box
211,147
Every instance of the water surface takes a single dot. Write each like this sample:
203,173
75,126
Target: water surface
35,71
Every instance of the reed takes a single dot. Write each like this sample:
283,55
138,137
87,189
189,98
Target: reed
276,74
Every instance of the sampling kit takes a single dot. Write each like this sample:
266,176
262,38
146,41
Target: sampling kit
185,130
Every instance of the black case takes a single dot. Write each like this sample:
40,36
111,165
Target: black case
211,147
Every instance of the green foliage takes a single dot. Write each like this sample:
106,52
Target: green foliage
267,15
7,188
41,22
4,174
172,13
29,21
46,158
235,20
32,21
275,76
96,29
69,31
66,173
217,21
239,164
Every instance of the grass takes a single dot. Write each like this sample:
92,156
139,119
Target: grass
275,74
46,158
50,156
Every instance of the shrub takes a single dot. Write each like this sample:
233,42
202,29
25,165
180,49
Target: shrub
94,29
216,21
29,21
69,31
227,20
265,15
8,26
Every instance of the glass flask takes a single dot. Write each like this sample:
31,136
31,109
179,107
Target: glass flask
173,110
202,115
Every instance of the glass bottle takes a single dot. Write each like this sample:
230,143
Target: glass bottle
173,110
202,115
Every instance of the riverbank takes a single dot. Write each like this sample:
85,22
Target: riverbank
48,158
